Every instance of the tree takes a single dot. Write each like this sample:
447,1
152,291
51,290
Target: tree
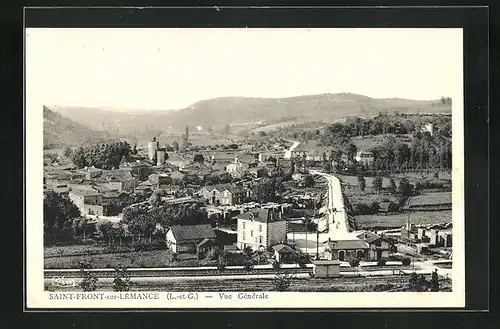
198,158
308,180
226,129
282,279
354,262
405,188
266,190
186,134
377,183
58,215
222,261
248,254
155,198
418,282
106,231
434,281
121,282
78,157
262,133
234,146
175,145
361,182
102,155
140,223
67,152
89,279
392,185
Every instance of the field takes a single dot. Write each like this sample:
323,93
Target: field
353,181
432,198
399,220
152,258
368,142
414,176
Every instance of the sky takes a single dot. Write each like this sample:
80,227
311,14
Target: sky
174,68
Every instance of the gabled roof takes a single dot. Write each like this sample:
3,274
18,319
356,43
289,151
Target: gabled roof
146,183
282,248
193,232
117,175
111,194
348,244
369,237
204,241
261,215
326,262
222,187
85,192
142,187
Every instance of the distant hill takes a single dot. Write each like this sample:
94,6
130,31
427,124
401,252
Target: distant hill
246,111
59,131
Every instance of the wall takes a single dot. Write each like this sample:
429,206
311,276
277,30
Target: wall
77,200
170,241
300,238
93,210
245,234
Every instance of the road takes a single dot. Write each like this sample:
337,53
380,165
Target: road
337,216
431,266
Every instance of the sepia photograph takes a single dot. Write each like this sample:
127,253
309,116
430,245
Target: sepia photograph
192,167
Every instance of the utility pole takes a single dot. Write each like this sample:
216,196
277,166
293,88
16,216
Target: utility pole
305,222
317,244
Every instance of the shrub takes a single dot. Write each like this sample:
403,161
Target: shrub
89,280
381,262
354,262
223,260
406,261
121,281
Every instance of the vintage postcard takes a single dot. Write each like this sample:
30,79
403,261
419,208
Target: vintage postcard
244,168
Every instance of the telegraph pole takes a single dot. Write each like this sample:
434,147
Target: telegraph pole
317,244
305,222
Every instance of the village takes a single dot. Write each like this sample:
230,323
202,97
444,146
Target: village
243,205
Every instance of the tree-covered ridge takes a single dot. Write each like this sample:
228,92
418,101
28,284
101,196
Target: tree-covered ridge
101,155
406,145
59,130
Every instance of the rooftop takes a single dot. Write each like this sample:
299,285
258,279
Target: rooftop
279,248
348,244
85,192
261,215
368,236
193,232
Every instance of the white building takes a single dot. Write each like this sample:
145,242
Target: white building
260,228
364,157
428,127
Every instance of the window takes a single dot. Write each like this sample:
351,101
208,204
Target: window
260,239
251,233
243,225
260,228
244,235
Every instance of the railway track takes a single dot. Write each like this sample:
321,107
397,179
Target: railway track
168,272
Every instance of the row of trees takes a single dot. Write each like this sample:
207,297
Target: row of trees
144,222
103,155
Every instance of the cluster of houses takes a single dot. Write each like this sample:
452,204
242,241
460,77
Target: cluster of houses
98,192
419,239
93,190
266,229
